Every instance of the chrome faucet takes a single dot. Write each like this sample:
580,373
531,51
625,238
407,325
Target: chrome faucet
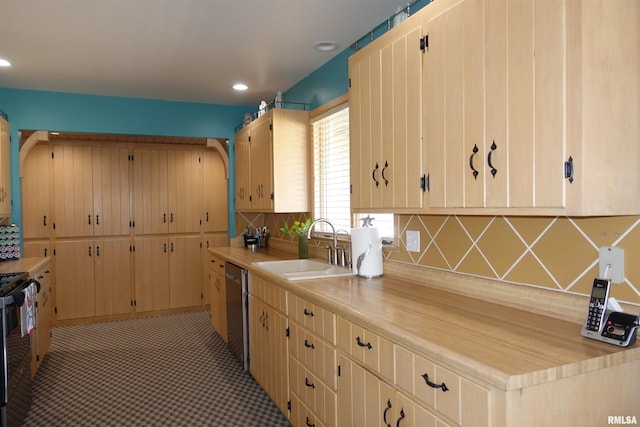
333,253
344,253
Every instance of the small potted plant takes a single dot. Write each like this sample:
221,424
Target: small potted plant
299,229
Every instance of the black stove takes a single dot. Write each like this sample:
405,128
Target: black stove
9,282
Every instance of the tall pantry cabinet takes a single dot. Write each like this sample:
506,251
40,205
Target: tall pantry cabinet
125,224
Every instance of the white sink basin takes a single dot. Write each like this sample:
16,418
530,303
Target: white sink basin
302,269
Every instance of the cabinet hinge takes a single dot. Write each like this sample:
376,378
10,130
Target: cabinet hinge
54,252
249,139
52,155
339,370
55,310
38,358
287,333
271,126
424,43
349,81
424,183
288,405
568,169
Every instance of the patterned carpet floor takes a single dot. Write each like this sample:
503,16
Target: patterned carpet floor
163,371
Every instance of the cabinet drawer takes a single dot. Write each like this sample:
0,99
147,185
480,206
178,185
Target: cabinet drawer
215,264
318,398
314,353
368,348
269,293
313,317
449,394
43,274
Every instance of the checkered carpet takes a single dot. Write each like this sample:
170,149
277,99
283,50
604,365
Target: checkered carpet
164,371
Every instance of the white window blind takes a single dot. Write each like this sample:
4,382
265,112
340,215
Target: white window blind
331,169
332,198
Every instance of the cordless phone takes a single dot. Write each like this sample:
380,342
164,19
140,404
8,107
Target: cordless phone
612,327
597,305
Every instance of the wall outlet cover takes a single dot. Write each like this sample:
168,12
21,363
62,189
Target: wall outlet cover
611,263
413,241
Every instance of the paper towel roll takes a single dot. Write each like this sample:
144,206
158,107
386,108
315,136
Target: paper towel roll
371,265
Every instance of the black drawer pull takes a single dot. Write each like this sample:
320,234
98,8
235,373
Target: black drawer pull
309,345
384,414
308,313
361,344
443,386
308,423
308,384
400,417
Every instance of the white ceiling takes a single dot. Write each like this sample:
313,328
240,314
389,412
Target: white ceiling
180,50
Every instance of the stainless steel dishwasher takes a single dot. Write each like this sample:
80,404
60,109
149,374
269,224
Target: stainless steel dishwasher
237,287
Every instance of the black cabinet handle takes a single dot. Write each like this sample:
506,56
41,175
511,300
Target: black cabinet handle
443,386
384,414
89,219
308,344
97,250
308,423
308,384
400,417
386,181
361,344
494,171
164,218
373,174
97,219
44,221
89,250
475,151
164,248
308,313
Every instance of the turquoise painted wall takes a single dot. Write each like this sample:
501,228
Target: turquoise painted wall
38,110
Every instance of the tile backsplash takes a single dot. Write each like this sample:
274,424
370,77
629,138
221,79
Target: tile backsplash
558,253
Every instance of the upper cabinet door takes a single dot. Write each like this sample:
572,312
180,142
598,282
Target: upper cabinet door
36,193
111,191
384,113
216,215
73,181
261,172
150,170
242,163
185,191
5,169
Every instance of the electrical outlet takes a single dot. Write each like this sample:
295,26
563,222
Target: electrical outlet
611,263
413,241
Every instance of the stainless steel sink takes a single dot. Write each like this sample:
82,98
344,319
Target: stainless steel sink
302,269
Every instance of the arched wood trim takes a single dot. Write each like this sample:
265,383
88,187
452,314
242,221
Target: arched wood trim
215,143
34,138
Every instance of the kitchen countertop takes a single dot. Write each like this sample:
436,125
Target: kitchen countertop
506,347
29,265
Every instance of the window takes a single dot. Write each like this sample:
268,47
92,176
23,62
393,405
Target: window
331,183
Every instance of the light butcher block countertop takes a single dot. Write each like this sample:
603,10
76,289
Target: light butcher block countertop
505,347
29,265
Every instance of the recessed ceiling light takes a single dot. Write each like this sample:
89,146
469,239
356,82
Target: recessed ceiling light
326,46
4,63
240,86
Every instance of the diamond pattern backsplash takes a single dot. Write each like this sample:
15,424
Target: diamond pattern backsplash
558,253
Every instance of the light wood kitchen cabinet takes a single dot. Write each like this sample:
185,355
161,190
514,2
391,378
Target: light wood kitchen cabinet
268,346
168,191
91,191
151,274
365,400
92,278
5,168
384,116
216,216
185,272
521,103
37,179
218,295
272,163
41,337
313,365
